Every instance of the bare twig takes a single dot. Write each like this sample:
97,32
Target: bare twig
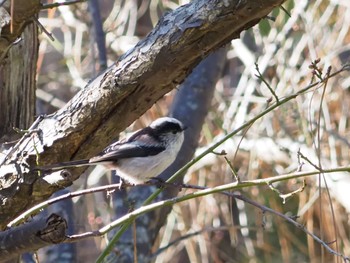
298,225
43,29
288,195
261,77
235,175
58,4
321,176
285,10
302,156
45,204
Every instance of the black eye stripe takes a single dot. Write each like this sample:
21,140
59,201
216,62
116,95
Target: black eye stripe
168,127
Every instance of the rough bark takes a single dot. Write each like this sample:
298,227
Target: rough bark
17,84
122,93
32,236
18,57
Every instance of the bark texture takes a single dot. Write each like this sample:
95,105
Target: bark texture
17,84
32,236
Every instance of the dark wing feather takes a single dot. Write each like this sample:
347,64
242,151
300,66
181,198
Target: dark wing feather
127,150
145,136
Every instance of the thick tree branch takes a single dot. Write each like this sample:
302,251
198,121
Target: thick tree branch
123,92
32,236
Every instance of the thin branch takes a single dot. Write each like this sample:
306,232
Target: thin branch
49,35
45,204
285,10
288,195
298,225
236,152
302,156
232,169
261,77
58,4
322,177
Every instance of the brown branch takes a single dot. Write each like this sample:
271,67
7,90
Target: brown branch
32,236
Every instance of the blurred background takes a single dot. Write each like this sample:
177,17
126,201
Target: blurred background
216,228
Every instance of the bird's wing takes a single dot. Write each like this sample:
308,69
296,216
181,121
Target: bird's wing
126,150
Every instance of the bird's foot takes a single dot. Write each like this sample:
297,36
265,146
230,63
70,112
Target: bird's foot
160,183
157,181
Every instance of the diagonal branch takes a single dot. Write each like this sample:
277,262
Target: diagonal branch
32,236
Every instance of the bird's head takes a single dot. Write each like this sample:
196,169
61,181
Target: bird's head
169,130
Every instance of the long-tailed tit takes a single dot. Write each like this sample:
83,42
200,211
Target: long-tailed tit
143,156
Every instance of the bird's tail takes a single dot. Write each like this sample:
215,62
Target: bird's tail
59,166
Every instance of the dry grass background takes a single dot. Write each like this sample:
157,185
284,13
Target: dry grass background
215,228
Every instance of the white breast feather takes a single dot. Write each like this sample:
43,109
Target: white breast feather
138,170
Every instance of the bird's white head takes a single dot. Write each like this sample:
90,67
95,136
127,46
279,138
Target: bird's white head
170,130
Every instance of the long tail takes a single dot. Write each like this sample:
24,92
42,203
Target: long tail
59,166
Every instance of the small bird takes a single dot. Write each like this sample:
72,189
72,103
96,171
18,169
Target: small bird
141,157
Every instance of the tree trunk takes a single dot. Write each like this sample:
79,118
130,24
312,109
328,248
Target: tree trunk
17,85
